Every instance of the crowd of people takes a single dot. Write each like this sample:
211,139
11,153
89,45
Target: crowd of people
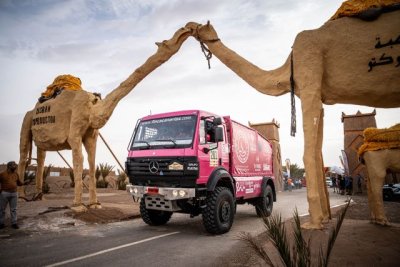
292,183
344,185
341,184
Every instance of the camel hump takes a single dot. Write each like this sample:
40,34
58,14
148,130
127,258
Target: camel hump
60,83
366,9
377,139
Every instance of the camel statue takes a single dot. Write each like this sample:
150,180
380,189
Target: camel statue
380,152
71,117
347,60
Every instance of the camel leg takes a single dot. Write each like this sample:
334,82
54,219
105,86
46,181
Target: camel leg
25,149
371,202
312,110
323,191
41,156
90,145
77,159
313,161
377,171
324,196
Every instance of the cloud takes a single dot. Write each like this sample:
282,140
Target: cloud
103,42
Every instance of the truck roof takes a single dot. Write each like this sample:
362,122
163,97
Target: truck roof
178,113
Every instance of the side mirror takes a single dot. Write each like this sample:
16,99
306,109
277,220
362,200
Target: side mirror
218,137
217,121
219,134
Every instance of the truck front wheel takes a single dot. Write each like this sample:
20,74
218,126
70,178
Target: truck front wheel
265,203
219,211
154,217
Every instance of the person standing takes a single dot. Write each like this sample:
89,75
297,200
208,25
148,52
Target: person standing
341,184
333,179
359,183
9,180
290,184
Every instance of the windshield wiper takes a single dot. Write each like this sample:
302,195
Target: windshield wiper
142,142
170,140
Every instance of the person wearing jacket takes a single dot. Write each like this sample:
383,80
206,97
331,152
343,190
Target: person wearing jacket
9,180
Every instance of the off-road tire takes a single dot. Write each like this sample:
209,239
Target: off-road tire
154,217
387,195
265,203
219,211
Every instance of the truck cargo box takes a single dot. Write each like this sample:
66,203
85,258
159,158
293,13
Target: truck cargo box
251,153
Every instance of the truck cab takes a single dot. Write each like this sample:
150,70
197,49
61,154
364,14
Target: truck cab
191,162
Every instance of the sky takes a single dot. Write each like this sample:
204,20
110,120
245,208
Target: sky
103,42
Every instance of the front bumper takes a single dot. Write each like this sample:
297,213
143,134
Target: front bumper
168,193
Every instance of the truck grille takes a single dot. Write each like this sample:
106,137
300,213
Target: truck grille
159,167
157,171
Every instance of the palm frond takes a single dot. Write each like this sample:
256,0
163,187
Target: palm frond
302,248
277,234
256,245
333,234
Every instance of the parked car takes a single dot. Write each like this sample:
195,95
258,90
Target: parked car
329,182
391,191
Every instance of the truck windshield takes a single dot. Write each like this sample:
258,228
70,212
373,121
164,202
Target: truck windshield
171,132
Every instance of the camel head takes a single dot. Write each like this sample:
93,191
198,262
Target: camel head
203,33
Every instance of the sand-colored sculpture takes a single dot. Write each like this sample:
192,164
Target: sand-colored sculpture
347,60
71,117
380,152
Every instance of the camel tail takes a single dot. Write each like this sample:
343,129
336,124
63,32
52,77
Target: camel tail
25,145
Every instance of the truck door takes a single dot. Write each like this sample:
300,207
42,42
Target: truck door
212,154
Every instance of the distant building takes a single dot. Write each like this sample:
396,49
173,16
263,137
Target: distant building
353,127
270,130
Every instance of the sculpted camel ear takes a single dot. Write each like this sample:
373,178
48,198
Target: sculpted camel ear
207,33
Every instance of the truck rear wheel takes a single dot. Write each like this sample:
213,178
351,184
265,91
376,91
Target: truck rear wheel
219,211
265,203
154,217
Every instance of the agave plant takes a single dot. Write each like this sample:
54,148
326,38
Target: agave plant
97,173
300,255
29,177
46,173
121,180
103,170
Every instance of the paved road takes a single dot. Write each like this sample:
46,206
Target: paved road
182,242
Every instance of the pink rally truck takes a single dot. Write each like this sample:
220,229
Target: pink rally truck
196,162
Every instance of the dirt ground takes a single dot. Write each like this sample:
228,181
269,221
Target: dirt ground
359,243
53,212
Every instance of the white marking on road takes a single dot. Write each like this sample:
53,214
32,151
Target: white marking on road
110,249
335,206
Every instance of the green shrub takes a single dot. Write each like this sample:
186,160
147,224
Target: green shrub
102,170
29,177
46,173
300,255
101,183
121,180
72,177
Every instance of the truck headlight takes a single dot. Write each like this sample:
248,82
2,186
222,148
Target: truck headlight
175,193
182,193
135,190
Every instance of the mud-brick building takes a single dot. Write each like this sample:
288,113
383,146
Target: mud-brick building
270,130
353,127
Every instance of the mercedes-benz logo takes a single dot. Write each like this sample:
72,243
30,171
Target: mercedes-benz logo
153,166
